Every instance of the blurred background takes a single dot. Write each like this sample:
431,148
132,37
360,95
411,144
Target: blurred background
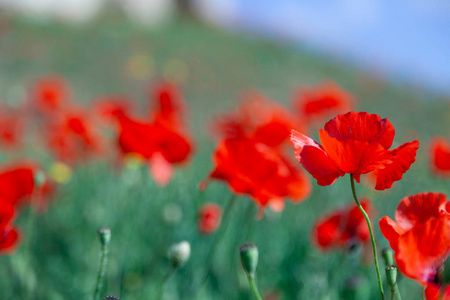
408,41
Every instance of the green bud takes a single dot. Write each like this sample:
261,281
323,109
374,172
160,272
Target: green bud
446,271
388,256
105,235
39,178
391,275
179,254
249,258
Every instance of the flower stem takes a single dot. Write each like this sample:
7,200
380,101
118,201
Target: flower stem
251,280
366,216
101,271
164,282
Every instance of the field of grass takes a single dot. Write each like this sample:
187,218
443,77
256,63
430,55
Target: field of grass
58,256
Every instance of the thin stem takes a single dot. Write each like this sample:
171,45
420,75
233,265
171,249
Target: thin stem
372,237
392,292
397,293
164,282
423,293
251,280
101,271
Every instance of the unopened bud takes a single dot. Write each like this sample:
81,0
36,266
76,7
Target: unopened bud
391,275
179,254
105,235
249,258
388,256
39,178
446,271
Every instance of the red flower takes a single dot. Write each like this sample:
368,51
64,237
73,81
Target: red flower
322,102
73,136
259,171
259,119
440,156
420,237
209,218
110,108
11,128
343,227
168,106
354,143
17,185
9,236
161,146
50,94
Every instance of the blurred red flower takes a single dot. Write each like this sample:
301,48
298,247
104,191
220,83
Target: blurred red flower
110,108
11,127
354,143
440,156
322,102
209,218
167,105
50,94
344,227
259,171
72,136
9,236
18,185
257,118
420,238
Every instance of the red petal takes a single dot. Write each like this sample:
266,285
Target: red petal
440,156
419,208
424,248
160,169
8,240
433,292
403,157
391,231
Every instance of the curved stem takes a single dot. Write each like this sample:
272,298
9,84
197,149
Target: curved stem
164,282
101,271
372,237
251,280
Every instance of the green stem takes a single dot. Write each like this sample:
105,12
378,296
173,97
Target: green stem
220,234
251,280
101,271
164,282
392,292
397,293
372,237
423,293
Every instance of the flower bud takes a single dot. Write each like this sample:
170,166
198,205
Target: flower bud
388,256
446,272
249,258
105,235
39,178
391,275
179,254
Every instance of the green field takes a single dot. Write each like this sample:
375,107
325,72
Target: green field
58,256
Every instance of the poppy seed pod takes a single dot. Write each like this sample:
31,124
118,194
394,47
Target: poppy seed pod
391,275
179,254
388,256
249,258
105,235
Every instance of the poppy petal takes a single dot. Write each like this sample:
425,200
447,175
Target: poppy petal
160,169
403,157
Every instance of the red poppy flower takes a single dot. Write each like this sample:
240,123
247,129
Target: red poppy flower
168,106
161,146
50,94
420,237
259,171
440,156
258,118
354,143
18,186
322,102
9,236
11,128
109,108
433,292
343,228
209,218
73,136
